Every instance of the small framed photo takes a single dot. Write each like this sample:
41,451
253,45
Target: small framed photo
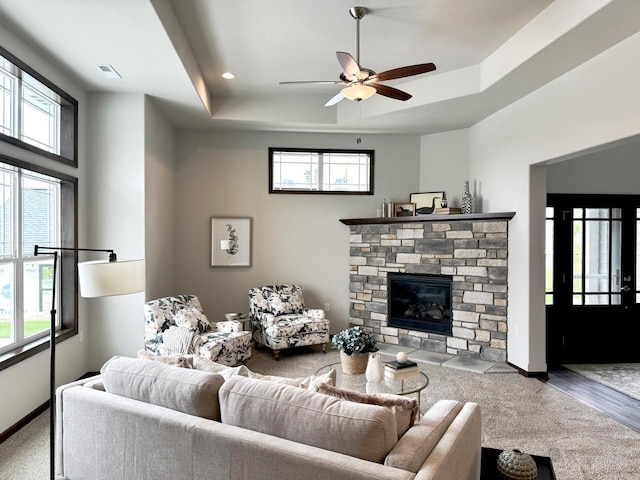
404,209
230,242
426,202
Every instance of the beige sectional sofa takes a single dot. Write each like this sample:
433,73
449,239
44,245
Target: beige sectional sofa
145,420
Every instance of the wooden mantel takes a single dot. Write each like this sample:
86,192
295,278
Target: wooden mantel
429,218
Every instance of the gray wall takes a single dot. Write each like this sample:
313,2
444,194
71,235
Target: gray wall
115,216
296,238
159,203
613,171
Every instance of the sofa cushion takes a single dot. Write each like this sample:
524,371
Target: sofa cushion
417,443
363,431
405,410
188,391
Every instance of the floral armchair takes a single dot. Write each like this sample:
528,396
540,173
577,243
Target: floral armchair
280,320
177,325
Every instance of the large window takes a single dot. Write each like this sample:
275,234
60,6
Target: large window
34,113
320,171
37,207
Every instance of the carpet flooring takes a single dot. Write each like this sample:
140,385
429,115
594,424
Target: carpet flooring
517,412
622,377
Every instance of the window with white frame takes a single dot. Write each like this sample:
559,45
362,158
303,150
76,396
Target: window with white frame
34,113
321,171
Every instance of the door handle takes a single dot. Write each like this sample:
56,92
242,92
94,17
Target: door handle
625,288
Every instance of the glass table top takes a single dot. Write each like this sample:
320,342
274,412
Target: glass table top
388,385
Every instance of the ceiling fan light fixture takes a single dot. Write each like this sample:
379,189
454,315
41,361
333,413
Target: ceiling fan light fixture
358,92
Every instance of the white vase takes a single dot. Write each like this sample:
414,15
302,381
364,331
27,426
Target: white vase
375,370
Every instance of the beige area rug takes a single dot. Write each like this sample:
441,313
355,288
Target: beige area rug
622,377
517,412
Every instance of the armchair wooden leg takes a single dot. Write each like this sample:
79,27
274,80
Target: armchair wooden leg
324,348
276,355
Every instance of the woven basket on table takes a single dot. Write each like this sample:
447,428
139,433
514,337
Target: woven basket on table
354,364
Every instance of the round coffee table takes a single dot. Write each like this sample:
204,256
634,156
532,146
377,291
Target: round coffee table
388,385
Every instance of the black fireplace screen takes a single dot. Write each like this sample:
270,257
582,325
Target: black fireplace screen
420,302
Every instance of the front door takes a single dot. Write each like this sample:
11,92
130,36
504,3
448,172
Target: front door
593,278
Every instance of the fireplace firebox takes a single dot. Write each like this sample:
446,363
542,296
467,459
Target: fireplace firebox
419,302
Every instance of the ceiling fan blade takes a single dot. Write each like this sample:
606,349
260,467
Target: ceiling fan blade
334,100
315,82
404,72
390,92
349,65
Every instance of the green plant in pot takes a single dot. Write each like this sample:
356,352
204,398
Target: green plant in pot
354,344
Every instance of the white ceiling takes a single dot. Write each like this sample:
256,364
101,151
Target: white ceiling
488,54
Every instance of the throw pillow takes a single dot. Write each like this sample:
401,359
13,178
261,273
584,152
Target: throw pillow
193,319
405,410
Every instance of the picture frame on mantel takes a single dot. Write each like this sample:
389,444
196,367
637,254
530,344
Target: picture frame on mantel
230,241
404,209
426,202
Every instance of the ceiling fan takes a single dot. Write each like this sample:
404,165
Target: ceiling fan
361,82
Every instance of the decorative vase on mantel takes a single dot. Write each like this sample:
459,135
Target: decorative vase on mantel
467,199
354,364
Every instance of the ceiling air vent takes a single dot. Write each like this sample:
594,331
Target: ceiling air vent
109,71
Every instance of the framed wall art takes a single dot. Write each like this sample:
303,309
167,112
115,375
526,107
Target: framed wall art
404,209
426,202
230,242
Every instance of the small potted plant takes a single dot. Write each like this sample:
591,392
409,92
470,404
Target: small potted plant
354,344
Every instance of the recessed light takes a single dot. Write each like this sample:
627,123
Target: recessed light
228,75
109,71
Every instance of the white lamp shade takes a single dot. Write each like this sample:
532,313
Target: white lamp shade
103,278
225,244
358,91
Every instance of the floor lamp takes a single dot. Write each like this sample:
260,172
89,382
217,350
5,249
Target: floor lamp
97,279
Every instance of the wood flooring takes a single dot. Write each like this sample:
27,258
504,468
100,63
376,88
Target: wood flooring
622,408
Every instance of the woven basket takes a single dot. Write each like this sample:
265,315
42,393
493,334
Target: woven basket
353,364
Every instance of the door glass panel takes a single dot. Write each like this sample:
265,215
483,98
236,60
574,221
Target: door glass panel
597,212
596,252
616,299
597,256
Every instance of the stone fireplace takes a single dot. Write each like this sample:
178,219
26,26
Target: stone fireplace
467,252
